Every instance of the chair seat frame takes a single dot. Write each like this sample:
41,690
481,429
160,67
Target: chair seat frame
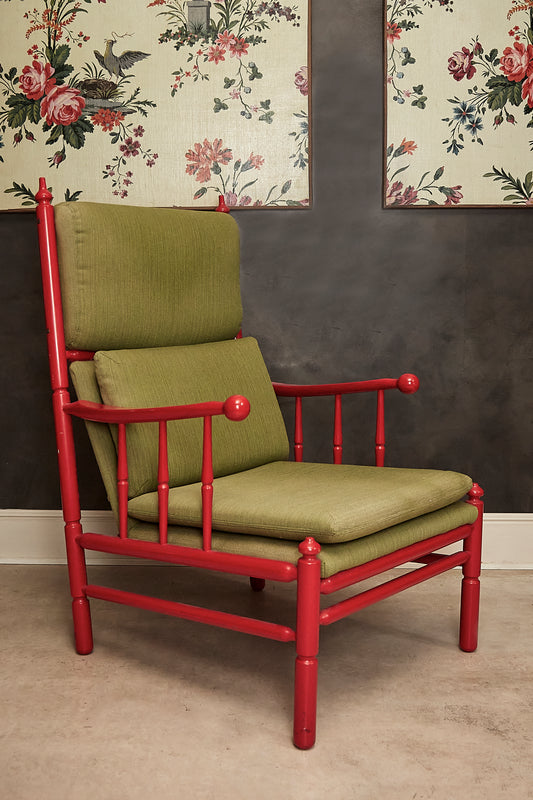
310,587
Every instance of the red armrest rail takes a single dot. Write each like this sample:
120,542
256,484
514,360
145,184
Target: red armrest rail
406,383
235,408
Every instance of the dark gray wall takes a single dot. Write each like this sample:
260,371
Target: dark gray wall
343,291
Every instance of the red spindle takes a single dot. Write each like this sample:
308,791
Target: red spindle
380,429
162,483
337,432
207,485
298,430
122,482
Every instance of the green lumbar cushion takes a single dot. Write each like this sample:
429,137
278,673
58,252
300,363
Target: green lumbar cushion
194,374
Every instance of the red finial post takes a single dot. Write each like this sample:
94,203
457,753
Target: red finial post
43,195
471,572
222,205
307,633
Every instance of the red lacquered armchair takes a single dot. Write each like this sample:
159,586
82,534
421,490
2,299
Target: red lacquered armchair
145,305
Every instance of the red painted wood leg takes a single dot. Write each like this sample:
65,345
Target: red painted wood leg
83,634
305,693
307,635
81,613
257,584
470,589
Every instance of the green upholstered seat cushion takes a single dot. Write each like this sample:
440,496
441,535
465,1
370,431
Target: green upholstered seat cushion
332,503
334,557
146,277
193,374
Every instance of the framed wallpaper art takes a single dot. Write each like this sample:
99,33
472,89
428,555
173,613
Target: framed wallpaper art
155,102
459,103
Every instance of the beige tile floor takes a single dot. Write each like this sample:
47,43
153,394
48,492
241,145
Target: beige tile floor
167,709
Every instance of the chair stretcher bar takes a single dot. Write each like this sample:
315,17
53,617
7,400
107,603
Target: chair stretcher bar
221,619
384,590
191,557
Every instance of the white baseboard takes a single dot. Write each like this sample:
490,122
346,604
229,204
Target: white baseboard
29,536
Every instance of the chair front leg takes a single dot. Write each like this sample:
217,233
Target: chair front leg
307,636
470,588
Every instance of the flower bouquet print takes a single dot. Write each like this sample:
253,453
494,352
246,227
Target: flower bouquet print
139,102
459,92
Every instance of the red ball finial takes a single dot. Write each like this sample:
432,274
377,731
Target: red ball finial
236,407
408,384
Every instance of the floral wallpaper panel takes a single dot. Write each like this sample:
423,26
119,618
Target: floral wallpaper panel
459,103
155,102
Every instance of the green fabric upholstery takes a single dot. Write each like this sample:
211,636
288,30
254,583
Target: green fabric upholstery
167,281
193,374
332,503
146,277
334,557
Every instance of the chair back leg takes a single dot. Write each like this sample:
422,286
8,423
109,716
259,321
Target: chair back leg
63,425
471,571
307,636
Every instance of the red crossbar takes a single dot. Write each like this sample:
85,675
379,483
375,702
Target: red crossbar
190,556
234,622
407,554
387,589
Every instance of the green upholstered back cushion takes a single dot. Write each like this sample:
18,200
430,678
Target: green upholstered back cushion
147,277
198,373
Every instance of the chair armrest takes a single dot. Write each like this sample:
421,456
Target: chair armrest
235,408
406,383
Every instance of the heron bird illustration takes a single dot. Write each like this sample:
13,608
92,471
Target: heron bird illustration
116,65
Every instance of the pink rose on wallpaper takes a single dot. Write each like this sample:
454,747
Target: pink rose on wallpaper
460,64
62,105
517,61
301,81
36,80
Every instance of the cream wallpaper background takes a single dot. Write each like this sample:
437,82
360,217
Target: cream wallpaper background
459,102
144,122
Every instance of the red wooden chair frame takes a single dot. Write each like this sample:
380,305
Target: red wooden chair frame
310,586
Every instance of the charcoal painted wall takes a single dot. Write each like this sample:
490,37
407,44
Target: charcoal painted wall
343,291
